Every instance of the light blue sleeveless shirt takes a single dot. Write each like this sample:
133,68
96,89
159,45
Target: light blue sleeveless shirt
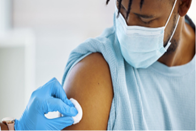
155,98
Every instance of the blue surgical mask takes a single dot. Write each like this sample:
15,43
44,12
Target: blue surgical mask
141,46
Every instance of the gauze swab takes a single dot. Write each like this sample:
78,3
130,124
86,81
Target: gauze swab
78,117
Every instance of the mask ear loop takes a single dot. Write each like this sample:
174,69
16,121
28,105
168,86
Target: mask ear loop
172,34
171,13
169,43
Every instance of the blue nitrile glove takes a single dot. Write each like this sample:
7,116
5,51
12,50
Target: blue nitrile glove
48,98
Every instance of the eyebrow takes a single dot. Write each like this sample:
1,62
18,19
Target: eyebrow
139,15
144,16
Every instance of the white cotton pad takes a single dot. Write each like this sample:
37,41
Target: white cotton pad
78,117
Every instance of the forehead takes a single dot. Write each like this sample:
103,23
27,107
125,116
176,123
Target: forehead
148,6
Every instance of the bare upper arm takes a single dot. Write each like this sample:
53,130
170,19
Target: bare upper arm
89,82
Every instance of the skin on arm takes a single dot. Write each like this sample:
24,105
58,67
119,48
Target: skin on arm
89,82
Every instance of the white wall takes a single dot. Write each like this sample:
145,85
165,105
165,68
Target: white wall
192,11
17,73
60,25
12,98
5,15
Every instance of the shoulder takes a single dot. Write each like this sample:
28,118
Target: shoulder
89,82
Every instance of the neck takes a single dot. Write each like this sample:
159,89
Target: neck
182,49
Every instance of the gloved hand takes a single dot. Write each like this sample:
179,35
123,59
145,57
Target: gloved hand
48,98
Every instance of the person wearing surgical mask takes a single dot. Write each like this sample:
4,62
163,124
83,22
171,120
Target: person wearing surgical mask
138,74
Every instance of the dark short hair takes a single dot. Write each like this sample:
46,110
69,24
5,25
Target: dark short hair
129,7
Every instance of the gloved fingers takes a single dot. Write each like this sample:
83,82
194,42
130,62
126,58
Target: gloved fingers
55,104
17,125
60,123
58,92
44,89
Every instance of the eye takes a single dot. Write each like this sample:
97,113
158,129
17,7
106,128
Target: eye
145,21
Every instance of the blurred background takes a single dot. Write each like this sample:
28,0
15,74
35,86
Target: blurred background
36,38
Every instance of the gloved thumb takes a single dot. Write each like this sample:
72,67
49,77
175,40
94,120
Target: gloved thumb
55,104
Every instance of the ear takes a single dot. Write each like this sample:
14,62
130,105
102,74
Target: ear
184,7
